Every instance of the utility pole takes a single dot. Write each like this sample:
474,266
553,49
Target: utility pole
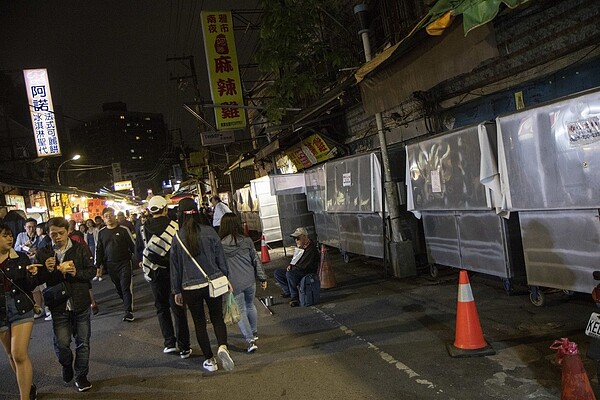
401,250
197,101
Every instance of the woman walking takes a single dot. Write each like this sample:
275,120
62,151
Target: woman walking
16,310
244,269
198,246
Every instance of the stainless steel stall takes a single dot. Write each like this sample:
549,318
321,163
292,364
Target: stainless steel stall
461,229
549,172
346,198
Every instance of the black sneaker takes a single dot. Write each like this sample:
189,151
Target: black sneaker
83,384
185,353
67,374
128,317
294,303
285,295
33,392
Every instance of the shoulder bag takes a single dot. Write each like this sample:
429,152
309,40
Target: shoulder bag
216,287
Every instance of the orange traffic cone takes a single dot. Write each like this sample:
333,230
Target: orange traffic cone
575,383
246,230
326,274
264,251
469,341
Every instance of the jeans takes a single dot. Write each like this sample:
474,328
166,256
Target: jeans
245,302
120,275
194,299
66,324
164,302
288,281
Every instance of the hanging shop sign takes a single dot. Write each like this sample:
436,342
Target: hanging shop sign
15,201
123,185
215,138
223,71
42,112
310,151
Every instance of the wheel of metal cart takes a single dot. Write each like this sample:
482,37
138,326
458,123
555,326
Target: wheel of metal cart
508,286
433,270
568,292
346,257
538,301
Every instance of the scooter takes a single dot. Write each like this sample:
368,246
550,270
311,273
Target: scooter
593,328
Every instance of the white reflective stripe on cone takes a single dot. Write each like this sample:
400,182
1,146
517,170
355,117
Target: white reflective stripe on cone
465,294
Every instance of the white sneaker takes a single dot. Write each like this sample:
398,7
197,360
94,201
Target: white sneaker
210,365
95,278
48,317
225,358
252,347
100,279
168,350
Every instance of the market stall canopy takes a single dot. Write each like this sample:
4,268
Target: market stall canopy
30,184
243,161
475,14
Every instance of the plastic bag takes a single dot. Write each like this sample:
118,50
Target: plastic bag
231,312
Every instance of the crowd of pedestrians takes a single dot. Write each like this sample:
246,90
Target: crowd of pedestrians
179,259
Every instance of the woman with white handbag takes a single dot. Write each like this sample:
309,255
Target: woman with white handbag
199,274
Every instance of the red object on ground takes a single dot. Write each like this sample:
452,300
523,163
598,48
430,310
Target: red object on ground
469,335
575,383
246,230
326,273
264,251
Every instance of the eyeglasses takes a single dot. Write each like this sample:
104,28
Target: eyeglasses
297,238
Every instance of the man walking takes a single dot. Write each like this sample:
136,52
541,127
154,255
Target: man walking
219,209
153,245
113,251
69,263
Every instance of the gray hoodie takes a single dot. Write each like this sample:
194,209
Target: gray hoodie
243,263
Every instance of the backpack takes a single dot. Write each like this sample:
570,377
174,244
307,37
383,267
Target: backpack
309,290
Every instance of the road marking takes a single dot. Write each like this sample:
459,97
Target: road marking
382,354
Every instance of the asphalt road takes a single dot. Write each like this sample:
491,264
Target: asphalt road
370,338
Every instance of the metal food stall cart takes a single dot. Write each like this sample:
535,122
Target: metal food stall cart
461,229
549,172
346,198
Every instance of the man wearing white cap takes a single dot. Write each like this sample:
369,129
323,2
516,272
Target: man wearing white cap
153,246
305,261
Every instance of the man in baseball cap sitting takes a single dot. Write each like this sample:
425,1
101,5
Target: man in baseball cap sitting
305,261
153,246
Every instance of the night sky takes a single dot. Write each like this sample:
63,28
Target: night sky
115,50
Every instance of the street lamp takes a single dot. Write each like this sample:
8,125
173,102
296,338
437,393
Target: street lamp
75,157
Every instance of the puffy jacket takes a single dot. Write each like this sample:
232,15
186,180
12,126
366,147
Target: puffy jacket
16,270
243,263
185,273
78,285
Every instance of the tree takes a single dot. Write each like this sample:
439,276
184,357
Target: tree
303,45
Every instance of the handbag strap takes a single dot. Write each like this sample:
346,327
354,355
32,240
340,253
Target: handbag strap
193,259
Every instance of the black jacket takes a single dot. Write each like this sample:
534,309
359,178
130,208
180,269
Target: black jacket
309,262
16,270
78,285
114,246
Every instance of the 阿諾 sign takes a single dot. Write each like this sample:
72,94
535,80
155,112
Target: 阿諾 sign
42,112
223,72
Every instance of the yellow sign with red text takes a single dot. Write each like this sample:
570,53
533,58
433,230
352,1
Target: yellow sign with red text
223,71
309,152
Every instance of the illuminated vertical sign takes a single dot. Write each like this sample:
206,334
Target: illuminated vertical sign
42,112
223,72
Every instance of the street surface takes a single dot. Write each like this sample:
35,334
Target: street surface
370,338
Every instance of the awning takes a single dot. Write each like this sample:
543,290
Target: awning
243,161
29,184
475,14
267,150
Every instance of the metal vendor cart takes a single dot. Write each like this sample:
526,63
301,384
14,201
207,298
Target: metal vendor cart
346,198
461,229
549,172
